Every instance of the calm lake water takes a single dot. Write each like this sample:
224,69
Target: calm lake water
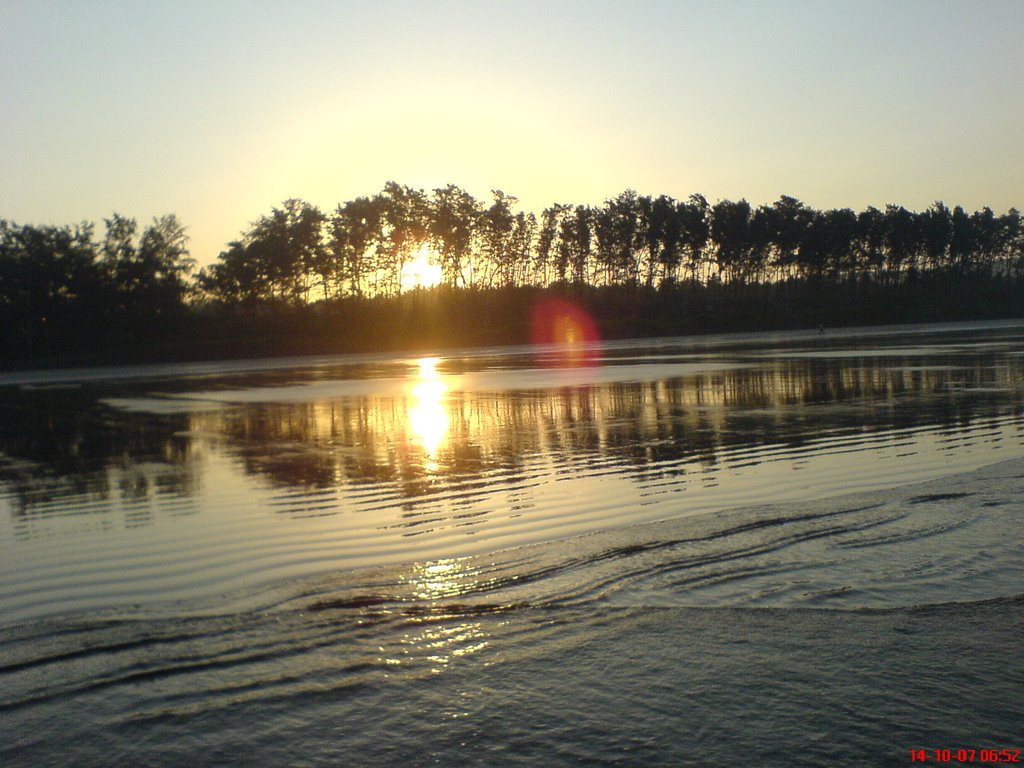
777,549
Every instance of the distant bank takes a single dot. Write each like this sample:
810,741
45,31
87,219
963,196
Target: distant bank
441,317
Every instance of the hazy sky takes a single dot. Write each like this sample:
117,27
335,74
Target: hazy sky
218,111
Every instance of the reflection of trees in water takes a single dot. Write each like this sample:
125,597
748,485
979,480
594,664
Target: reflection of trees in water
63,453
642,427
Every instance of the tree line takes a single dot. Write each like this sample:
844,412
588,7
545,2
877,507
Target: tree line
66,289
62,288
298,252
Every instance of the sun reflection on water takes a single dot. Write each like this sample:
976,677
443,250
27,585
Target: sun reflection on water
443,631
428,420
442,579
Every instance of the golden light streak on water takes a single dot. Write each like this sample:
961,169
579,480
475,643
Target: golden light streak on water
437,641
428,419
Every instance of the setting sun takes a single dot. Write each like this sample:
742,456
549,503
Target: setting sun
422,271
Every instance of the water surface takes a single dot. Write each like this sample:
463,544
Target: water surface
685,551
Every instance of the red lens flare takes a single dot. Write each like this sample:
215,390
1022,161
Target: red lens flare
569,328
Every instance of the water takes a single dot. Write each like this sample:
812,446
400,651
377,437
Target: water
788,549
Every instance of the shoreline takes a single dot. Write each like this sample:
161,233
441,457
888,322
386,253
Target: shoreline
442,318
56,372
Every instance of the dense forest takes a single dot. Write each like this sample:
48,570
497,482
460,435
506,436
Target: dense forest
409,269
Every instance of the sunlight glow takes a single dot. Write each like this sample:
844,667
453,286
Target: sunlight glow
422,271
568,331
428,419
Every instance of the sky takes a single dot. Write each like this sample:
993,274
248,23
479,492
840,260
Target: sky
218,110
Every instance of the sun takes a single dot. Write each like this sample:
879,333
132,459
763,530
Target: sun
422,271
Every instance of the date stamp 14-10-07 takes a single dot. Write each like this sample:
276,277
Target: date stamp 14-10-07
961,755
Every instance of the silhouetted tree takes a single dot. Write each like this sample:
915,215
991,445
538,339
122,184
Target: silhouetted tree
788,221
146,276
61,291
660,231
551,260
239,277
695,226
288,246
494,227
524,231
871,241
902,240
827,245
52,288
762,239
988,239
404,222
936,225
669,213
354,228
453,221
730,232
581,244
1012,241
617,231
